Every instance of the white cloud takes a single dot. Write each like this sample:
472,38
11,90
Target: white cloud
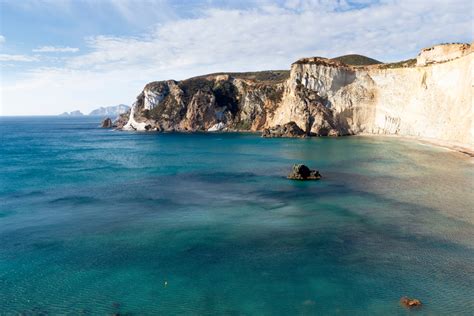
273,36
17,58
266,37
2,39
55,49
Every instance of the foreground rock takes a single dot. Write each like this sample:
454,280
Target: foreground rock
410,302
290,129
106,123
302,172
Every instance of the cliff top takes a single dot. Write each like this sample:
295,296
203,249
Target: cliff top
447,46
442,53
274,76
320,61
434,54
357,60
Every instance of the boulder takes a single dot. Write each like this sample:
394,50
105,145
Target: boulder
290,129
302,172
106,123
410,302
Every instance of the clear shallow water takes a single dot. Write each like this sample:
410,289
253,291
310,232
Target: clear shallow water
95,221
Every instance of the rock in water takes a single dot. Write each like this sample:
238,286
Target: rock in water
290,129
302,172
106,123
410,302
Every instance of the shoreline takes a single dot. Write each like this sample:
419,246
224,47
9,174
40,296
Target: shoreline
455,147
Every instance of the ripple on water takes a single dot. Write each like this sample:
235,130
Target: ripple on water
95,222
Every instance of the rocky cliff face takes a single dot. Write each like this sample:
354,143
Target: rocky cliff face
214,102
429,98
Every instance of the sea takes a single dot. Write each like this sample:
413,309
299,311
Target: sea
98,222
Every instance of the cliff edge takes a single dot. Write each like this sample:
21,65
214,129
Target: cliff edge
428,97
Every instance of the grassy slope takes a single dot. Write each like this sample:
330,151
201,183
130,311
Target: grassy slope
267,75
357,60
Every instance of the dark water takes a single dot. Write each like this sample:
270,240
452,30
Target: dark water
96,221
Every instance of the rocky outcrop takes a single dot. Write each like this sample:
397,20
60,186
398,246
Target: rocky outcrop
209,103
121,121
442,53
410,302
430,97
302,172
290,129
106,123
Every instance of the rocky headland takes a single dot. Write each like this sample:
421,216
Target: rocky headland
429,97
72,113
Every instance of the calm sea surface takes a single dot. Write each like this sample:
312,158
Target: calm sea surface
95,221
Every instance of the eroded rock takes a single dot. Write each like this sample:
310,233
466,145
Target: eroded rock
323,98
302,172
106,123
121,120
410,302
290,129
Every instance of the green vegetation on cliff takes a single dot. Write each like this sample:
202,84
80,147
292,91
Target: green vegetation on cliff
400,64
357,60
273,76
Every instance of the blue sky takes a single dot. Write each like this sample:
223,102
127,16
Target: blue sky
60,55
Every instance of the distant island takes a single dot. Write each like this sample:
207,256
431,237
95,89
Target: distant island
115,110
72,113
112,111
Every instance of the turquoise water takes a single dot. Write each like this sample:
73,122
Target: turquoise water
95,221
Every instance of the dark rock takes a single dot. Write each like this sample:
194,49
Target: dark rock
106,123
302,172
410,302
290,129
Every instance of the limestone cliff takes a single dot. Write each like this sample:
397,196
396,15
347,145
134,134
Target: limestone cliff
430,97
239,101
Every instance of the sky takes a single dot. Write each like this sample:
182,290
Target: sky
64,55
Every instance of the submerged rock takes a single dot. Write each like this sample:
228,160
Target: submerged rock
302,172
106,123
410,302
290,129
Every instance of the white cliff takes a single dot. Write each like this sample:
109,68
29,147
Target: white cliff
429,98
442,53
152,98
132,124
433,101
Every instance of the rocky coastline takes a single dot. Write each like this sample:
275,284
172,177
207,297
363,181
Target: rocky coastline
428,98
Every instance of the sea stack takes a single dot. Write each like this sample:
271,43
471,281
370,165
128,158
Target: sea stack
106,123
302,172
